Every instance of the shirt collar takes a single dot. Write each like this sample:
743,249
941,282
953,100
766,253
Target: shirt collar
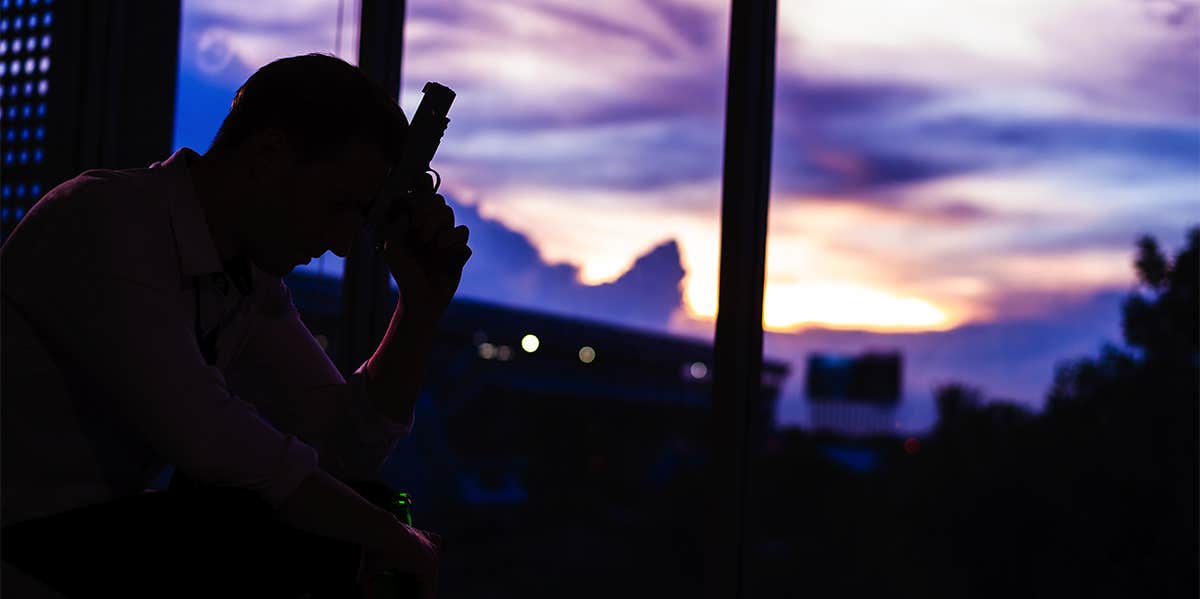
193,240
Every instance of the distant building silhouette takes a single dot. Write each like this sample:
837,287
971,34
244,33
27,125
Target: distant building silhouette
528,407
854,395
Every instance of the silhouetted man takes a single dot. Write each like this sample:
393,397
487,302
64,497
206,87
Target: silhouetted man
146,324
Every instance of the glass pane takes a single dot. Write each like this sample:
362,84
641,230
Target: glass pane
220,45
584,152
957,191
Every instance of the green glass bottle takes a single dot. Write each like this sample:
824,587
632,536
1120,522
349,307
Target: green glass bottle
394,584
401,507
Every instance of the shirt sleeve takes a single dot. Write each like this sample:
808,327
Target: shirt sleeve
294,383
132,346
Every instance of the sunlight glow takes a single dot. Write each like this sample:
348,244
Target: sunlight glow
788,307
842,305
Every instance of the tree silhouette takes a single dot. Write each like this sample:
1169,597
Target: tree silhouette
1096,496
1132,416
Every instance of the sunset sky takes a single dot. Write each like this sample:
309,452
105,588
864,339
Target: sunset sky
935,163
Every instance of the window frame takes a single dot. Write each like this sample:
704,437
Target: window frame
737,345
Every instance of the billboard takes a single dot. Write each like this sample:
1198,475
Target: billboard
870,377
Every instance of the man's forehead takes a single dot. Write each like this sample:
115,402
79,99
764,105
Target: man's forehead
369,156
363,164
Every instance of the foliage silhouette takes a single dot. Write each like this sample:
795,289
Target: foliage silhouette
1095,496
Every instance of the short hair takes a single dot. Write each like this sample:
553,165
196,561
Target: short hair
320,103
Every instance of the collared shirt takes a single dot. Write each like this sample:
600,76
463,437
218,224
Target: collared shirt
127,346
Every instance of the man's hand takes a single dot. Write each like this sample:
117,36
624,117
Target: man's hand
425,253
427,261
325,506
408,550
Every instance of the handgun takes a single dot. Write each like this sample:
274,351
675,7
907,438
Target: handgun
404,179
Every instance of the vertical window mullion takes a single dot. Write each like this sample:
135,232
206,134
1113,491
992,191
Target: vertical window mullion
737,377
365,293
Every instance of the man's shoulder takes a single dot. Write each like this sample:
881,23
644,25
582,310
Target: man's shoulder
105,221
96,197
102,190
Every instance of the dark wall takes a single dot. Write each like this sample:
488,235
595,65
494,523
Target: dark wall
101,93
117,97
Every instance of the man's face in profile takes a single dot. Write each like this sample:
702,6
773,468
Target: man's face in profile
307,208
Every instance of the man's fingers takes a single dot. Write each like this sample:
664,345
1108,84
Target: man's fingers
462,253
421,205
452,250
428,224
456,236
397,227
450,261
423,183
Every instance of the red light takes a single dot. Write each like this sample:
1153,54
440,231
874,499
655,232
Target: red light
912,446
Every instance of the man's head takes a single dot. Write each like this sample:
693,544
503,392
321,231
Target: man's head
309,139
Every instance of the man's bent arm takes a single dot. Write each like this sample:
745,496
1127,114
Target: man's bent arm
396,371
133,347
325,506
290,378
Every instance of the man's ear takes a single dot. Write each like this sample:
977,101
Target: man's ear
269,156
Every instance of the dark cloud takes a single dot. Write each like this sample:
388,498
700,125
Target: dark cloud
595,23
863,140
951,212
621,159
698,28
506,268
804,101
1030,140
450,14
702,28
958,212
840,137
678,97
854,170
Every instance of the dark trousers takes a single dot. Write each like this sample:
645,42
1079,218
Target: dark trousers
187,541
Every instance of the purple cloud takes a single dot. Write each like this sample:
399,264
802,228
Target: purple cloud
859,138
506,268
